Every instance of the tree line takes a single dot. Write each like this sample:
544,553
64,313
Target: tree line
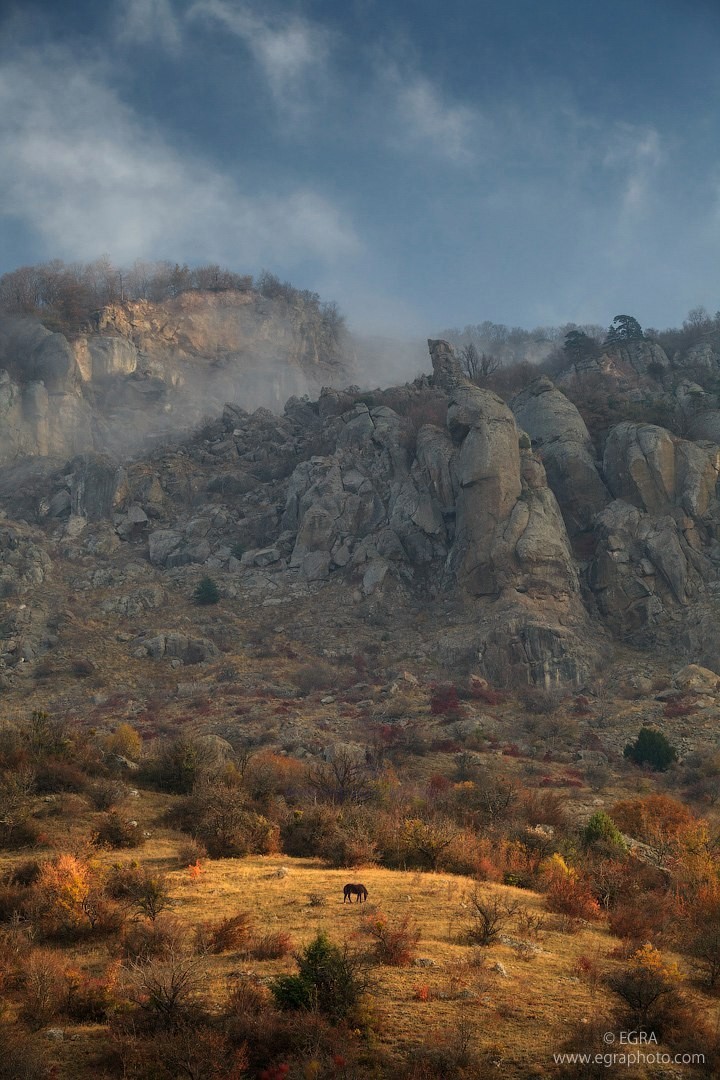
66,296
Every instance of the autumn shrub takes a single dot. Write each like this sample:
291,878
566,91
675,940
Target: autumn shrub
124,742
65,895
192,1048
273,945
219,817
23,874
44,988
248,997
489,914
642,917
310,831
309,678
165,989
649,989
15,947
21,1057
117,832
106,793
231,934
395,940
571,895
14,902
191,851
55,776
650,816
444,701
90,999
123,880
143,941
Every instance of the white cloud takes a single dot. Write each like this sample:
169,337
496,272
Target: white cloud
88,175
634,154
149,22
290,51
424,117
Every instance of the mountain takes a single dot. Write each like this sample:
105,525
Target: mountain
530,553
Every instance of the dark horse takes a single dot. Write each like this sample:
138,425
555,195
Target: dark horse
355,890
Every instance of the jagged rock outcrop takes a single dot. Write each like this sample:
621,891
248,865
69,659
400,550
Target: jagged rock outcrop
654,470
559,434
658,542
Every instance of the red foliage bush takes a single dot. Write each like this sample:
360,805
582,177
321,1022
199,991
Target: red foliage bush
444,700
570,895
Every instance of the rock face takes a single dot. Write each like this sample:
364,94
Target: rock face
658,542
559,434
147,370
434,497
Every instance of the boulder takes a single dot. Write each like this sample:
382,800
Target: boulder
697,679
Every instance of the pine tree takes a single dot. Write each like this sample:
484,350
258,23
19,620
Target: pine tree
206,592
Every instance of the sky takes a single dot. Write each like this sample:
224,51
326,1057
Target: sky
424,164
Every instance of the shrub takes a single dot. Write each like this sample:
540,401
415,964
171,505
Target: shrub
206,592
272,946
165,989
21,1058
444,701
123,880
117,832
191,852
395,943
90,1000
311,677
24,874
151,895
649,989
125,742
601,831
329,979
143,941
13,902
63,895
230,934
248,998
44,988
219,817
571,895
489,916
104,794
651,748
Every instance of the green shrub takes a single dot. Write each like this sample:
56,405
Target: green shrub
206,592
330,979
651,748
602,831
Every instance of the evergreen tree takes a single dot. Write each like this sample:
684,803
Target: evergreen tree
651,748
206,592
624,328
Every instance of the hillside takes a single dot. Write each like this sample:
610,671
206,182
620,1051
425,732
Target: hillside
407,637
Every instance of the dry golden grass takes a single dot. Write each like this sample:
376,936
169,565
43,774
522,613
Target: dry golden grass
539,996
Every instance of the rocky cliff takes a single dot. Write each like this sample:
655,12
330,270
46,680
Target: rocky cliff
150,369
525,547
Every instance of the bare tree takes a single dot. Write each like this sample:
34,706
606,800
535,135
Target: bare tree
344,779
478,366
